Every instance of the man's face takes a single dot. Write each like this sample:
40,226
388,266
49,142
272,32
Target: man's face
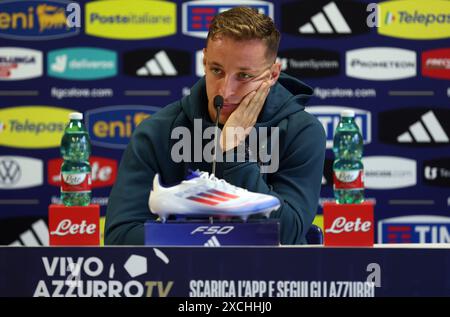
233,69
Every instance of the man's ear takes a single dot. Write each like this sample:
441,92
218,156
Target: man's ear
204,58
275,71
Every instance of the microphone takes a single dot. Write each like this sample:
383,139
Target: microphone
218,104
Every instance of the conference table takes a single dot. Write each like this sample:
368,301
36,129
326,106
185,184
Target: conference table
244,271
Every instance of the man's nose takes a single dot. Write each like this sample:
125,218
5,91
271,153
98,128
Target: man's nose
227,87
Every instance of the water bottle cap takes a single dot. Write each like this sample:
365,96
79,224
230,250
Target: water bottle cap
76,116
347,113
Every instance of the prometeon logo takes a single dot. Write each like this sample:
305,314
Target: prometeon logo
381,63
149,63
329,116
414,229
310,62
324,18
112,127
436,63
437,172
18,63
197,15
36,20
139,21
389,172
415,20
82,63
415,127
33,127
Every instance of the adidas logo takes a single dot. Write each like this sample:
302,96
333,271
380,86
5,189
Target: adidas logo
212,242
329,21
36,236
426,130
158,66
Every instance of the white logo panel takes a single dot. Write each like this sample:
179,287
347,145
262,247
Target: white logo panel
20,172
389,172
381,63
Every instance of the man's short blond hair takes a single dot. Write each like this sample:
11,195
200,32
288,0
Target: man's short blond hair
243,23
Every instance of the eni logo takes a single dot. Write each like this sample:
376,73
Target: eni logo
39,20
112,127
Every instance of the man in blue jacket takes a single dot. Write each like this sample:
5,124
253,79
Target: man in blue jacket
240,65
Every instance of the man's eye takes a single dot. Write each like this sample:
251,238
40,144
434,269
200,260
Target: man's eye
216,71
244,76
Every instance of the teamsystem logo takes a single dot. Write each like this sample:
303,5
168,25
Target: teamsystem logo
310,62
197,15
414,229
329,116
416,20
161,63
423,127
39,20
20,63
82,63
437,172
324,18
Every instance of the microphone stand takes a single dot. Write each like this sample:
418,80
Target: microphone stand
218,104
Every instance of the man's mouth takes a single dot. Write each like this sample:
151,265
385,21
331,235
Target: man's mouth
230,105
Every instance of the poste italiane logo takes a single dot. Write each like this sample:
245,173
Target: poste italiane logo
140,20
35,20
416,20
33,127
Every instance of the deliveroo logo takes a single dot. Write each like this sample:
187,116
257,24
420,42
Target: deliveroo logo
82,63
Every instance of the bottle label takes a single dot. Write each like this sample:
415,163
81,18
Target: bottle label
348,179
76,182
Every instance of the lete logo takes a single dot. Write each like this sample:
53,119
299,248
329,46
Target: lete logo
104,171
341,224
66,227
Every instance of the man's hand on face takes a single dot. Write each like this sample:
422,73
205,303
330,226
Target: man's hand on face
242,120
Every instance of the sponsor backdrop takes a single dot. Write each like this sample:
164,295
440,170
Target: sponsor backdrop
130,58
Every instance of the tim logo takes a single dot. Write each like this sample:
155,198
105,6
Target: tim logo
38,20
414,229
197,15
112,127
415,127
329,116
